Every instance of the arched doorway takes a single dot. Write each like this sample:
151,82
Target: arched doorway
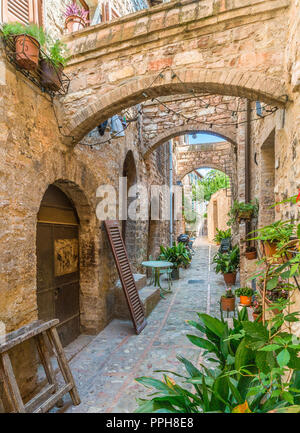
129,225
58,263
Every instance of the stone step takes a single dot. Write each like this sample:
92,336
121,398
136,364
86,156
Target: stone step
150,297
140,281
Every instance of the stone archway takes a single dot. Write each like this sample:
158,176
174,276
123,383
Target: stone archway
123,63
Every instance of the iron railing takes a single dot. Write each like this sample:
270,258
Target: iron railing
52,80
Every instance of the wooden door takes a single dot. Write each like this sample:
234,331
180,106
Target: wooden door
58,263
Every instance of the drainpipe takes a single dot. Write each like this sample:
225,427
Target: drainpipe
171,189
247,157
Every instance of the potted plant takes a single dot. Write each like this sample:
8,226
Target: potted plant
274,236
178,255
245,294
250,253
228,300
52,66
222,234
242,211
76,17
257,310
227,263
28,40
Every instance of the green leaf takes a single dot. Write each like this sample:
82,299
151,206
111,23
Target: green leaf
149,382
243,355
203,343
270,348
190,368
256,330
213,324
271,284
288,397
283,357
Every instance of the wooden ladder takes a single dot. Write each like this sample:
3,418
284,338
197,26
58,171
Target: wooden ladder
42,333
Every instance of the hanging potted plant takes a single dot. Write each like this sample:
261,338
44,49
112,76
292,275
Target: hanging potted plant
178,255
228,300
274,236
76,17
242,211
245,294
28,40
228,263
52,67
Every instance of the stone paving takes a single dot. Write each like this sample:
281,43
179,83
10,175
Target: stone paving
105,369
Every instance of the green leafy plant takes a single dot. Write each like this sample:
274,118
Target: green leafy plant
278,232
244,291
228,293
58,53
9,29
257,370
227,262
211,183
241,210
178,255
222,234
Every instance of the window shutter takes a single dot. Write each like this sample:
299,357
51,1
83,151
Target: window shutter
17,10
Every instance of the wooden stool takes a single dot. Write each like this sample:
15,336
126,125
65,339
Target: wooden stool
50,395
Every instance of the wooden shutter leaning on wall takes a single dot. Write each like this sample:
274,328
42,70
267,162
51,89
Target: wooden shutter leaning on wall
126,276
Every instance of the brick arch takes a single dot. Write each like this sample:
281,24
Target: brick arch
214,166
97,106
216,155
177,131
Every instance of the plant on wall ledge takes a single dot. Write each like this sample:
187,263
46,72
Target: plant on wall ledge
242,211
76,17
28,41
53,64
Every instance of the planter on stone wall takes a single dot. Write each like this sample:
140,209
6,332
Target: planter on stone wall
74,23
51,77
251,254
27,52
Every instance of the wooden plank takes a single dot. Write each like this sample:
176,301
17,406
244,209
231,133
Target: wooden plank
48,404
40,341
39,398
25,333
63,364
134,302
12,385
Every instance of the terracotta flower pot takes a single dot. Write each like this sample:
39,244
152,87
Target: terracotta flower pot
50,75
230,278
27,52
227,304
74,23
246,300
250,255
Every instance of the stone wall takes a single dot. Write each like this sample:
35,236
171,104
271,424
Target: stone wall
217,213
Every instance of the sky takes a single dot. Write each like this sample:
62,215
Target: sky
203,137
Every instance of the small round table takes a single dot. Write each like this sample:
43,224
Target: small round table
158,265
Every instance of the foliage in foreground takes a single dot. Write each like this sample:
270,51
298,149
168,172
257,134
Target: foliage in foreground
256,369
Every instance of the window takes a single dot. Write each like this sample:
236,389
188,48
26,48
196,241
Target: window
24,11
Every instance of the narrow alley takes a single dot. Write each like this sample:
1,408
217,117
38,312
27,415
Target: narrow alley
106,368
